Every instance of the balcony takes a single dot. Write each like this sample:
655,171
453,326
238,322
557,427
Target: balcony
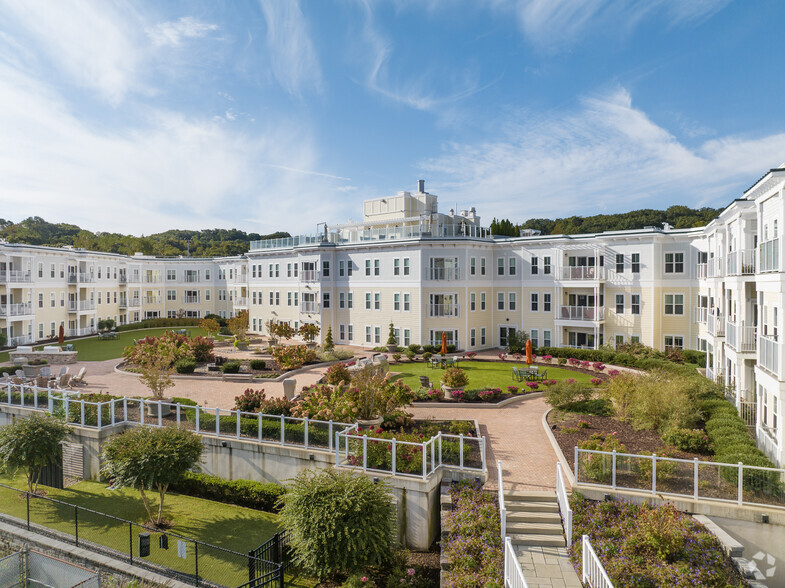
191,300
769,256
86,305
16,276
583,272
133,303
80,332
85,278
240,302
443,310
73,278
123,303
134,279
310,307
701,313
21,309
122,279
152,279
714,268
769,354
715,376
702,270
192,278
581,313
715,325
309,276
741,263
20,340
740,337
445,274
151,300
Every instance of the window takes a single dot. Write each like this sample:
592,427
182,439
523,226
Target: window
511,266
62,270
62,299
326,269
325,300
405,266
407,302
270,270
288,299
206,274
396,301
635,263
341,301
296,296
472,338
500,266
349,270
288,270
546,302
635,304
41,275
296,270
535,302
619,263
674,263
277,269
376,268
396,266
635,338
377,335
618,340
171,295
272,298
368,334
546,265
367,301
535,266
619,303
546,338
341,329
535,337
674,304
472,301
253,297
367,267
674,341
472,266
482,300
278,299
407,337
52,271
349,333
341,270
482,336
482,266
500,301
377,301
349,303
40,300
40,330
171,275
53,302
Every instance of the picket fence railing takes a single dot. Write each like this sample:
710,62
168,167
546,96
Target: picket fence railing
513,574
593,573
564,504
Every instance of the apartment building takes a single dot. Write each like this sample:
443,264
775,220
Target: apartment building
717,288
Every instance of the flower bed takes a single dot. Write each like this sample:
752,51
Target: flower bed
641,545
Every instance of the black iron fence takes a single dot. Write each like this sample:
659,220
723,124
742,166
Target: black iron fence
273,554
169,554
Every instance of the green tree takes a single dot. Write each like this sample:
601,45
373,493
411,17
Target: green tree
340,522
150,458
329,344
239,325
31,444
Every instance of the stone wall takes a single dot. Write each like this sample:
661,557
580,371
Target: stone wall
53,358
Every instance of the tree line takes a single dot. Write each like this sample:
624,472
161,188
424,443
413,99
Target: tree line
204,243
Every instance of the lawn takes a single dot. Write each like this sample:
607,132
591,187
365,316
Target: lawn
482,374
223,525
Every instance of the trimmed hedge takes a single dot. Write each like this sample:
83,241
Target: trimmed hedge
256,495
257,364
159,322
231,367
185,366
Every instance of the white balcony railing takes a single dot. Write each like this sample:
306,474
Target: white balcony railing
740,337
241,302
80,332
134,302
443,310
86,278
20,340
702,271
16,276
190,299
445,273
310,307
73,278
715,325
19,309
87,305
582,313
584,272
152,300
769,256
152,278
309,276
769,354
122,279
701,312
741,263
192,278
714,268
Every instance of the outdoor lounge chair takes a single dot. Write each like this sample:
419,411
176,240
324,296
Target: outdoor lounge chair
78,380
435,362
63,381
63,371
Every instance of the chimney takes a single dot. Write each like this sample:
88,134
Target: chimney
421,186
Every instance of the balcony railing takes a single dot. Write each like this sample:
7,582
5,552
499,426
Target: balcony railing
769,354
702,270
715,325
309,276
582,313
741,263
20,340
740,337
442,273
134,279
19,309
310,307
73,278
122,279
190,299
583,272
701,312
133,302
15,276
714,268
86,278
443,310
86,305
241,302
80,332
192,278
152,278
152,300
769,256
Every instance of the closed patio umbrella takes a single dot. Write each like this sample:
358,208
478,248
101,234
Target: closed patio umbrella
529,351
444,344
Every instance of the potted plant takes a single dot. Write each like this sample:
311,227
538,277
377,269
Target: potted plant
376,394
454,380
309,332
392,340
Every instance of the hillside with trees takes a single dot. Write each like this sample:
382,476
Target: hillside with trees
680,217
205,243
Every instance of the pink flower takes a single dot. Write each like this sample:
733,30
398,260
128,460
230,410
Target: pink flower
410,571
364,579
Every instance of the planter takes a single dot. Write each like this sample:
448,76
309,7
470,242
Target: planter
392,349
241,346
370,422
448,393
166,409
32,371
311,344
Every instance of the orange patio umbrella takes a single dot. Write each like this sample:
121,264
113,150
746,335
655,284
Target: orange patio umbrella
529,351
444,344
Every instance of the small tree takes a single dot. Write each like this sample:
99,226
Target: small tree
516,341
210,326
155,357
150,458
340,522
239,325
309,331
282,330
329,344
391,338
31,444
110,324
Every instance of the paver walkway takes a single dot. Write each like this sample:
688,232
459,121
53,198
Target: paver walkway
547,567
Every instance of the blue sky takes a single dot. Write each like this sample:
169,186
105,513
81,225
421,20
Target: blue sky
276,115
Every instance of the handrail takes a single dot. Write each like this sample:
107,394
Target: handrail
502,508
564,504
513,574
592,571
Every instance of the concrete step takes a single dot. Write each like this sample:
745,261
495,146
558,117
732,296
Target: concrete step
531,507
540,540
530,495
533,517
534,528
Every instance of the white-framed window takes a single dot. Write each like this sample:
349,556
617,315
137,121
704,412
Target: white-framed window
349,332
278,299
482,266
171,295
472,266
535,302
619,303
53,301
500,266
407,337
482,300
535,337
546,338
472,337
207,295
41,275
40,330
397,301
407,302
253,297
367,267
377,301
272,297
482,335
52,271
406,266
511,266
635,338
325,300
397,266
546,301
349,300
40,300
674,304
349,270
296,298
512,302
341,300
618,340
288,270
472,301
288,299
500,300
674,342
62,299
546,265
635,303
368,301
341,329
635,263
171,275
341,268
535,265
376,267
619,263
674,263
377,335
326,269
368,334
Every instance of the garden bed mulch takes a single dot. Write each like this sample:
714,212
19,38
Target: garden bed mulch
427,561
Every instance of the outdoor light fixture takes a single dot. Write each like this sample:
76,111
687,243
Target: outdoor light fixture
223,443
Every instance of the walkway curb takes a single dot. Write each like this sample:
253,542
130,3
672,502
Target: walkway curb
484,406
566,469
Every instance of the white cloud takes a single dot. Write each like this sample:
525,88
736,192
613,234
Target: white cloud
607,155
173,33
292,54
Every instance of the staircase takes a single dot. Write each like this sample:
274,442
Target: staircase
533,518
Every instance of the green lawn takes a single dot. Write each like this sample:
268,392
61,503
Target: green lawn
223,525
482,374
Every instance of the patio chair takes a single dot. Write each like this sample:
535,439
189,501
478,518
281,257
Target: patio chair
78,380
63,381
542,375
42,381
454,361
63,371
425,382
46,371
435,362
516,376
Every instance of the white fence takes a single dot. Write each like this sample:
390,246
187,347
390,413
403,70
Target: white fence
513,574
592,572
564,504
691,478
502,507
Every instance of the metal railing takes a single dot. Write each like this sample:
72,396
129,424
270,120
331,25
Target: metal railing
740,337
408,458
18,309
443,310
192,278
16,276
287,242
715,324
20,340
583,272
741,263
86,278
714,267
309,276
513,574
564,504
152,300
769,354
748,411
310,307
697,480
769,256
133,302
502,507
701,314
593,573
122,279
241,301
80,332
191,300
582,313
155,278
444,273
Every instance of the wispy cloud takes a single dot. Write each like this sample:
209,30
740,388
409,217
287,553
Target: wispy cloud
606,155
173,33
292,54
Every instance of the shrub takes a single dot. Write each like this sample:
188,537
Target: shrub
291,357
596,381
338,373
410,355
454,377
452,348
430,348
396,356
692,440
457,394
231,367
257,364
435,394
185,366
339,522
201,349
249,401
512,389
247,493
598,467
414,348
567,392
427,355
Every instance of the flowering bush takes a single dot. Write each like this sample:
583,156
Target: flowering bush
585,364
512,389
582,424
549,382
337,373
256,401
435,394
613,373
532,386
454,377
291,357
486,395
503,356
325,403
547,358
596,381
573,361
470,355
598,365
457,394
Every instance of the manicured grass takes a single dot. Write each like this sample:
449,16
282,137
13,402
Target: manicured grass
482,374
223,525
